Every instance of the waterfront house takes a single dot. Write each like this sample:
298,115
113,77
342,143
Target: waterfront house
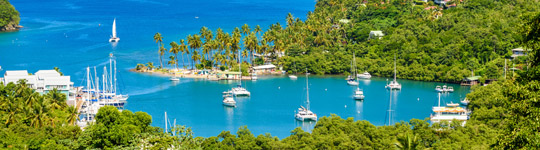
43,81
516,52
268,68
228,75
376,34
470,81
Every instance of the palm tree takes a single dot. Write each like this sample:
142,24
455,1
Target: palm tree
55,100
58,70
183,49
172,60
408,141
194,43
73,115
150,65
290,19
161,53
175,49
158,39
245,29
195,57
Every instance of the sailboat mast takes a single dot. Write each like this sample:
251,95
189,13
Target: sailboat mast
166,130
96,82
88,91
115,84
110,73
307,89
395,67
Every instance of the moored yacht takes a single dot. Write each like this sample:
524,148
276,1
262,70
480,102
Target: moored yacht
228,100
304,114
449,113
359,94
364,75
174,79
394,84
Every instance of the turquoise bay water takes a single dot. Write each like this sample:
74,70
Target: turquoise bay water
73,34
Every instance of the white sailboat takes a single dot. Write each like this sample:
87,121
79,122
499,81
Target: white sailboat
394,84
109,94
352,79
304,114
114,38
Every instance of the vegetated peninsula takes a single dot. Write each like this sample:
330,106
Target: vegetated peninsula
9,17
433,42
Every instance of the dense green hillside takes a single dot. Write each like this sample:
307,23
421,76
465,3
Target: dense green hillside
431,43
9,17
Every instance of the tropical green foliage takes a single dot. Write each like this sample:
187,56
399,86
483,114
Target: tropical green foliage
8,14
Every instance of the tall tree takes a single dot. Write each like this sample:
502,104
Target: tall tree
158,39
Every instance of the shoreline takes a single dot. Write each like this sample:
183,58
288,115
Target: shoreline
214,78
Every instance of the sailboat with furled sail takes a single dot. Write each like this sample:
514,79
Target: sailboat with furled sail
114,38
304,113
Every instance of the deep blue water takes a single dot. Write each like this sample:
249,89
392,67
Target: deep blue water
73,34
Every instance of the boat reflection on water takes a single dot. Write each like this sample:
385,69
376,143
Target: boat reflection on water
359,110
229,112
307,126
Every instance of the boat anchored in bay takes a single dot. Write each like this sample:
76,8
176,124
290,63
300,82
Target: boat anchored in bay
304,114
114,38
394,84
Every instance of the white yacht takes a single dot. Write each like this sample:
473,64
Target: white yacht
359,94
228,100
174,79
444,88
304,114
240,91
364,75
293,76
114,38
394,84
449,113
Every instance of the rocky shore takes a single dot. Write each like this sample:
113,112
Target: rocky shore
10,27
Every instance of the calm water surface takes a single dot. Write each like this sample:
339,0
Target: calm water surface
73,34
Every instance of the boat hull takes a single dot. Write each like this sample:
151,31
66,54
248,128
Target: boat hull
359,97
114,39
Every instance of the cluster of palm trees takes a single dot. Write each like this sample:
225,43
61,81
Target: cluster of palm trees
211,49
20,104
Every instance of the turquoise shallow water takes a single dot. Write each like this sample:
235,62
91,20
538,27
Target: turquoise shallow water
73,34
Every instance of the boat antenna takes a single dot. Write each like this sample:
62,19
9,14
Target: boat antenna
307,89
395,68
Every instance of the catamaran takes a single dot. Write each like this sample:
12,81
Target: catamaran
444,88
239,90
394,84
352,79
304,114
359,94
114,38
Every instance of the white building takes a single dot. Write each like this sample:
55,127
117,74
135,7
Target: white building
43,81
376,34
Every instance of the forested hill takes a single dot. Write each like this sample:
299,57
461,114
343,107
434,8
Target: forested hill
431,43
9,17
